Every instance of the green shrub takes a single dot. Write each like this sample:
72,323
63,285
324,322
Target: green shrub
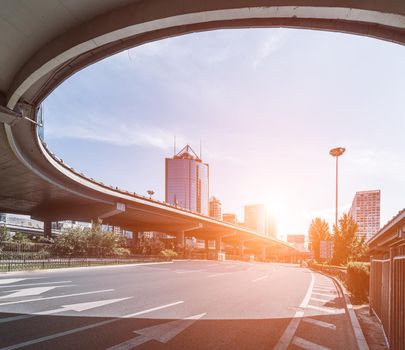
358,276
168,254
121,252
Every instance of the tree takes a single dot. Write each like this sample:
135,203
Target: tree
347,246
318,231
4,234
21,237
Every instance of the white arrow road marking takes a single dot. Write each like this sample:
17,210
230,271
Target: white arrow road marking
34,284
54,297
84,328
74,307
27,292
161,332
11,280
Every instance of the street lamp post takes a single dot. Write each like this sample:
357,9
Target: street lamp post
337,152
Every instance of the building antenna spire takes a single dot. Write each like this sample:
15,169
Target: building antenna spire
174,146
200,149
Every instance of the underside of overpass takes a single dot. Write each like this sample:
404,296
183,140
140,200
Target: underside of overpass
45,42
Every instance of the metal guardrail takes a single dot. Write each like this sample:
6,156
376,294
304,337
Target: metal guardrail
387,295
51,263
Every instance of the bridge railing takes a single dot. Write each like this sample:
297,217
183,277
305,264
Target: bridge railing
387,294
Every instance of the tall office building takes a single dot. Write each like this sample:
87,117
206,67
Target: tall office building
365,210
187,181
271,226
258,219
215,208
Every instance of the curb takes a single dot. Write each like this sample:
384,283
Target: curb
358,332
81,268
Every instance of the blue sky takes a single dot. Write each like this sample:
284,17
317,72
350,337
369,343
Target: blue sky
268,104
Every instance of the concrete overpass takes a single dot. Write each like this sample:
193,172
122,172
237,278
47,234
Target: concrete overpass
45,42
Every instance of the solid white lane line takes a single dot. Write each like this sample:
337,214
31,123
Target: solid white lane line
289,332
55,297
84,328
320,323
260,278
326,309
323,300
33,284
307,345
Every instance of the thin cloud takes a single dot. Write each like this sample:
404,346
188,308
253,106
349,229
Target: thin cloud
118,133
268,46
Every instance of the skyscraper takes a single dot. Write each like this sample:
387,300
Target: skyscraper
215,208
187,181
365,210
258,219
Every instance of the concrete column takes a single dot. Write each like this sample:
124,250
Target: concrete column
47,229
207,251
217,247
180,242
263,253
241,250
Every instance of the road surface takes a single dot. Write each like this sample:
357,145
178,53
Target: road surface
180,305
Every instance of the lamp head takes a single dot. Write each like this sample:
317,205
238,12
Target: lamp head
336,152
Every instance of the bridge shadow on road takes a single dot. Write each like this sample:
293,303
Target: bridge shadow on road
89,332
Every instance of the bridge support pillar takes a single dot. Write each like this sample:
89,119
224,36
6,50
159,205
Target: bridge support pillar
180,242
47,229
207,249
241,250
217,247
263,253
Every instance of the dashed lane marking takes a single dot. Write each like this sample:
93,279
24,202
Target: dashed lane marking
320,323
188,271
260,278
308,345
219,274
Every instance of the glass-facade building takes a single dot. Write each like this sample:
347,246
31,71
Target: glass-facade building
187,181
365,210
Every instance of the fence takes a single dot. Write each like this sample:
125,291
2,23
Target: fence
35,264
387,294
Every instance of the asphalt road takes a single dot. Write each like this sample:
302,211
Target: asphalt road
180,305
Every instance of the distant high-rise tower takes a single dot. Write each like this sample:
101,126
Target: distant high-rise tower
365,211
215,208
258,218
187,181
